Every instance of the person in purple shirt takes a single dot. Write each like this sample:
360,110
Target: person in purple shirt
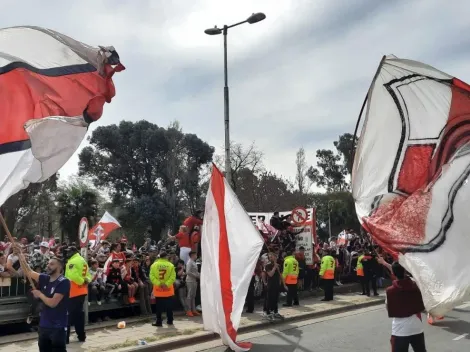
53,290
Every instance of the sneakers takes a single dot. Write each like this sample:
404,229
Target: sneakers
131,300
196,313
99,303
278,316
158,325
189,314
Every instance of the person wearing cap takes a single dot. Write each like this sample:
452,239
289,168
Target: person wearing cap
77,272
40,258
163,276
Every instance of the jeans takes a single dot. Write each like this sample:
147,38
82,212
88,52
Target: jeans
52,339
144,299
191,296
402,343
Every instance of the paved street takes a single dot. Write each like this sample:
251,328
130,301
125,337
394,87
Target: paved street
363,330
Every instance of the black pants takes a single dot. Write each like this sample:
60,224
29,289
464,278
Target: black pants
250,297
328,288
402,343
52,340
363,282
77,317
292,295
272,298
164,305
371,280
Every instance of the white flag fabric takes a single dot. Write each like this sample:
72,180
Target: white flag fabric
231,246
410,176
51,88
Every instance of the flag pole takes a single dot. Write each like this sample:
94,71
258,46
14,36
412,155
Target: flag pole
21,257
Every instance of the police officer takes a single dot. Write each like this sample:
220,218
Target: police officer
163,276
290,276
327,273
76,270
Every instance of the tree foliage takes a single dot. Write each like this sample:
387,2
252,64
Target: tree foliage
32,211
76,200
151,172
332,170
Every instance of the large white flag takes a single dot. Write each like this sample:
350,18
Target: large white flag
231,246
51,88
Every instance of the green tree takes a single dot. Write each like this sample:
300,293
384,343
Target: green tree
343,146
332,170
76,200
148,170
329,174
32,211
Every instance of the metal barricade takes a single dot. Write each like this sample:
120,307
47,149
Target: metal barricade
12,287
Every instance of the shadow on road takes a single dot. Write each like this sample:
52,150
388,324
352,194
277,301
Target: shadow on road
458,327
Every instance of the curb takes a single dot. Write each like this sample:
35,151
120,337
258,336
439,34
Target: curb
209,336
8,339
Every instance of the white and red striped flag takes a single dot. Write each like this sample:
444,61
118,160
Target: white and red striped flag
102,229
231,247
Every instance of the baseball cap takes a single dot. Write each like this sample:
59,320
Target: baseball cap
44,244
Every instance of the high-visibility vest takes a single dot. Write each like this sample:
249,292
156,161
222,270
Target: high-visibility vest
77,272
327,271
359,267
290,272
162,272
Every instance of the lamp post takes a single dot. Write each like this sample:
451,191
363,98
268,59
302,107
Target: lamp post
254,18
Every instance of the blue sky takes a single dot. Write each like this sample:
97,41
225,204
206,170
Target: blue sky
296,79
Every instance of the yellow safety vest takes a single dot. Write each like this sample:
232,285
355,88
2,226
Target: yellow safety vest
77,271
162,272
327,270
359,267
290,272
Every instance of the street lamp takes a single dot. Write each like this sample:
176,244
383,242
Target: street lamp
254,18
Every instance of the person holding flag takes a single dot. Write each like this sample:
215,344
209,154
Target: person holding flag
77,272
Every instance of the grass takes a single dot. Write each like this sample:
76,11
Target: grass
149,339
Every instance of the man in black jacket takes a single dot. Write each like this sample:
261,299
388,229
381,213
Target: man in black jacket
371,267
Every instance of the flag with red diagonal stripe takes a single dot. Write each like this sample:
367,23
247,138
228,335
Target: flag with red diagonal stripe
231,246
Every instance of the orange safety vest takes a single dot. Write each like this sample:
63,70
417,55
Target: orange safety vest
163,272
327,268
163,292
359,267
77,271
291,270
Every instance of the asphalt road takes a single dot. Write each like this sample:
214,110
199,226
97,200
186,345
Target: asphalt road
362,330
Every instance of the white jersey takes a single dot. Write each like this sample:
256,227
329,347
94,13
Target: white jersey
408,326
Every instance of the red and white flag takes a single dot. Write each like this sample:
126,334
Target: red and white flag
231,247
51,88
102,229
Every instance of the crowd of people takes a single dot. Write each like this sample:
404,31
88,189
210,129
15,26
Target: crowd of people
119,271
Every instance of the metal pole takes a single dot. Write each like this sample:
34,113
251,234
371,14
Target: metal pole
228,167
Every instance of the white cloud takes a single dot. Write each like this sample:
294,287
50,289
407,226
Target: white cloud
296,79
